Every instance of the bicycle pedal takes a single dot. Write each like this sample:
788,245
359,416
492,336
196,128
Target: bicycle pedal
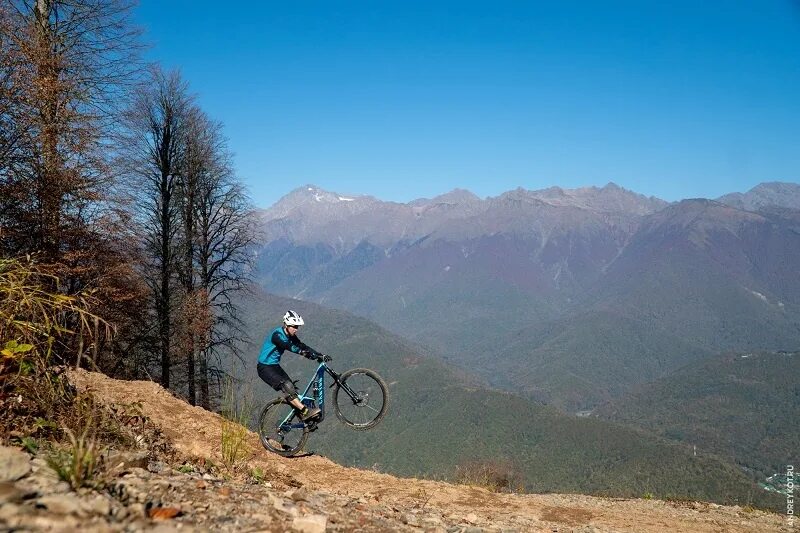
312,427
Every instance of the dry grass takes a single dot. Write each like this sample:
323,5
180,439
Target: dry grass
77,462
236,411
38,326
39,408
496,475
37,322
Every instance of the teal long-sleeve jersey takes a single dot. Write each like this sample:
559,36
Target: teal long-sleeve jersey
278,342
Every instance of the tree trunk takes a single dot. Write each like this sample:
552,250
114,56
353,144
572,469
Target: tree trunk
163,306
205,400
190,371
188,223
50,186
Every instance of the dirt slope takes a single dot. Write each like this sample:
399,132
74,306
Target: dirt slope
196,432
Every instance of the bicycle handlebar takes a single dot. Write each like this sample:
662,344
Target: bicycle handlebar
318,356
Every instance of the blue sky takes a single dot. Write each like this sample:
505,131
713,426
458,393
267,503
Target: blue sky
409,99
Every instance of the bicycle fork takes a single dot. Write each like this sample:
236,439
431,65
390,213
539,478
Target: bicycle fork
344,386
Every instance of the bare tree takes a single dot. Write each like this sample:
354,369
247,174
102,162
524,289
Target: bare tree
195,228
218,231
11,126
197,162
226,234
65,66
152,150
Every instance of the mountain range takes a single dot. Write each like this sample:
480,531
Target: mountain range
569,297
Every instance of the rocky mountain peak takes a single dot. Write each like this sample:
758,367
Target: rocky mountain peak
312,193
693,208
456,196
765,195
698,219
315,198
519,196
610,198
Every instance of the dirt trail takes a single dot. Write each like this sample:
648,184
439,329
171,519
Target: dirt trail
196,432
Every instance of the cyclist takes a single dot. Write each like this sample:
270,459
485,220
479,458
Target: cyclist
269,368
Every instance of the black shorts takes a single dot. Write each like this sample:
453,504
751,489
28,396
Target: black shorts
273,375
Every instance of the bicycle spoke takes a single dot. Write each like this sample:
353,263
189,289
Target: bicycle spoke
360,399
278,433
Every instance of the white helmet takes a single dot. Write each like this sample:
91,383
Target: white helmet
291,318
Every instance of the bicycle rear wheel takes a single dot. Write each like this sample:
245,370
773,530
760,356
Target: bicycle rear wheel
361,398
280,428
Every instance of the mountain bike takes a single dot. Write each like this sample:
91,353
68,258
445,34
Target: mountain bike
360,399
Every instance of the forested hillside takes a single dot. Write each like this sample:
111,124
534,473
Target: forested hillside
440,420
738,405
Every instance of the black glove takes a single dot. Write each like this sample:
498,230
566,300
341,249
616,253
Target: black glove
321,357
307,354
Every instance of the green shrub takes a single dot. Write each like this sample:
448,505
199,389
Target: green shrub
257,476
186,469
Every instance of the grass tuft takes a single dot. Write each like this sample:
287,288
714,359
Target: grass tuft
496,475
77,462
236,412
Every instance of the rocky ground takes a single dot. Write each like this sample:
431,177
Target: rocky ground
184,491
162,498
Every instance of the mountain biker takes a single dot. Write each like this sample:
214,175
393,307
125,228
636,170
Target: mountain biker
269,369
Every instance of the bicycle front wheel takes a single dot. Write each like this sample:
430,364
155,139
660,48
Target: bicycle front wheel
361,398
280,428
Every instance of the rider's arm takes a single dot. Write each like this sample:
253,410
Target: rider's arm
304,349
284,342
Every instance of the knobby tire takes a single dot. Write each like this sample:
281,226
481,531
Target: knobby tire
371,409
271,438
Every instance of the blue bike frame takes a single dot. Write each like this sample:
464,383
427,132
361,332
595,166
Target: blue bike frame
311,399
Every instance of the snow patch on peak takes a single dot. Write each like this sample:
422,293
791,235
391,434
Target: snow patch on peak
763,298
757,294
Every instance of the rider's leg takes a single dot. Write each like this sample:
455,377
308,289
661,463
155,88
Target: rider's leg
297,404
291,396
277,378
